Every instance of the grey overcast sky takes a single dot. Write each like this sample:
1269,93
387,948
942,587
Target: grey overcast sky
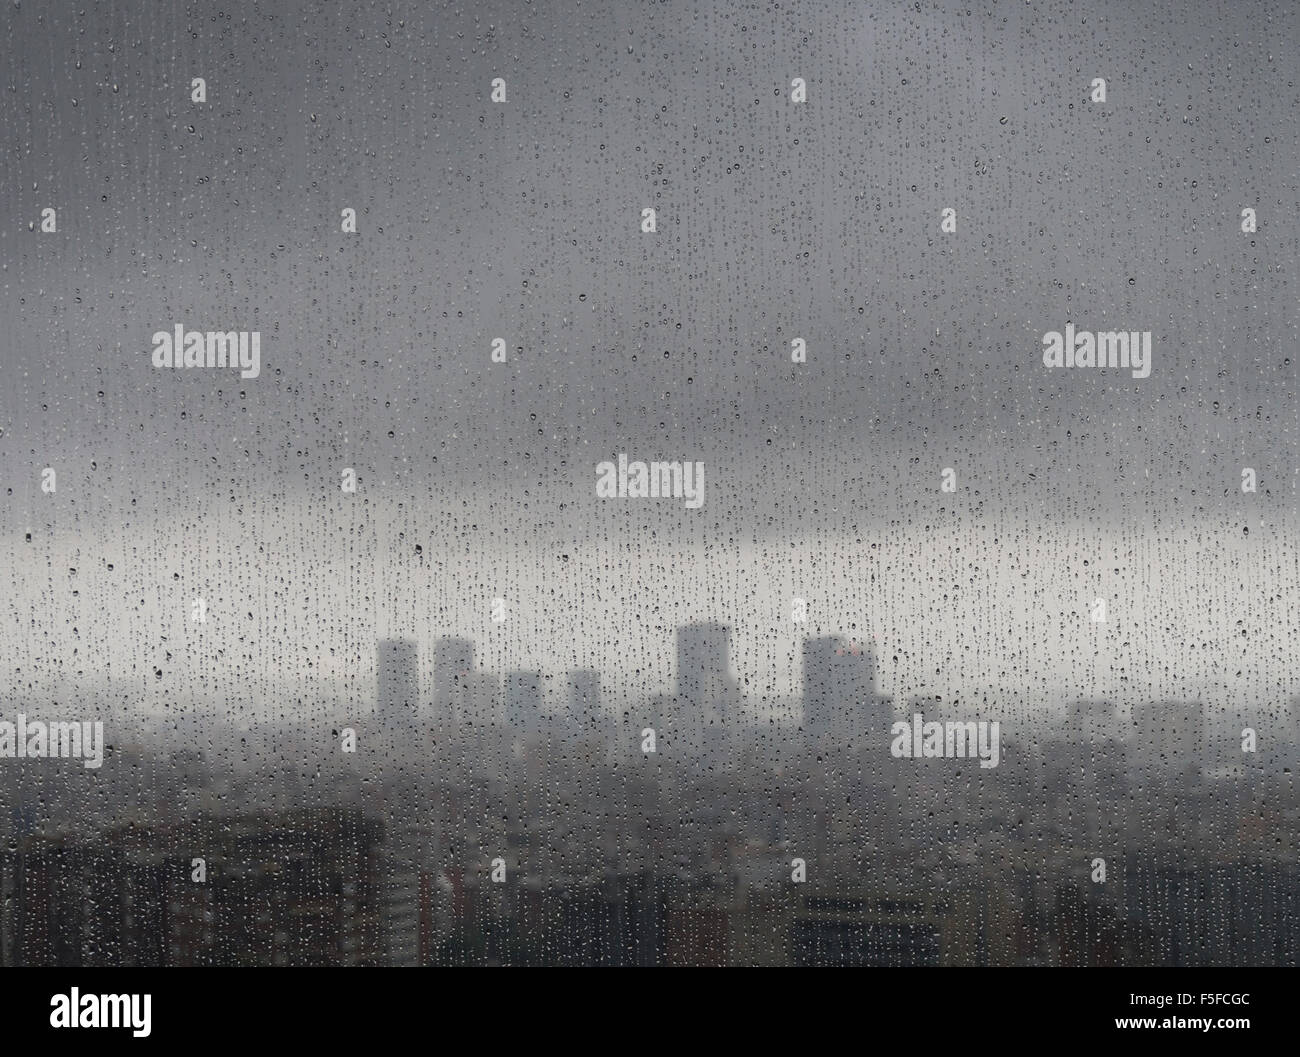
775,221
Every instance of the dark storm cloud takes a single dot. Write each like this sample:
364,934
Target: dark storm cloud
775,221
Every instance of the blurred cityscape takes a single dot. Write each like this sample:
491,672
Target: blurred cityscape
473,825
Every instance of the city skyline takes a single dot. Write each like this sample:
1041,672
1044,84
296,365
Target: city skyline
837,698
